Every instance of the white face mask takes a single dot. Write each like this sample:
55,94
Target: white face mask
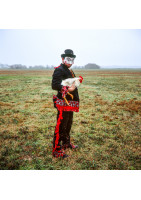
68,60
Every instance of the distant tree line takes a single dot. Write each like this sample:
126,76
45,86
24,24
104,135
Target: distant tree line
92,66
4,66
19,66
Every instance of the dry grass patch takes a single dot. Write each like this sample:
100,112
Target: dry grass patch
107,128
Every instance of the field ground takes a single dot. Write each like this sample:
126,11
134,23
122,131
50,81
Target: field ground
107,128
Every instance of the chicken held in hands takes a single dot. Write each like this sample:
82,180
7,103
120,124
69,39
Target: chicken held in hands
71,84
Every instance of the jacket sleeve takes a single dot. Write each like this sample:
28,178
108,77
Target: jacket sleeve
57,79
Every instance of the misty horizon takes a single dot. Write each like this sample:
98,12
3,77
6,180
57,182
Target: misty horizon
73,66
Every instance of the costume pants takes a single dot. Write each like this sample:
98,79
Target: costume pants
64,128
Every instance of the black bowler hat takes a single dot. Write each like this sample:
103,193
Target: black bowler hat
68,53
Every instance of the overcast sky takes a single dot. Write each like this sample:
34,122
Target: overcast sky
44,47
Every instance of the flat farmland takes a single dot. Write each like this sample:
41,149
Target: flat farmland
107,127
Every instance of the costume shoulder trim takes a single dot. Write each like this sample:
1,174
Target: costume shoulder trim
72,73
57,67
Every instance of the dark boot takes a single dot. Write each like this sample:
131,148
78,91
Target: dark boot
71,146
59,153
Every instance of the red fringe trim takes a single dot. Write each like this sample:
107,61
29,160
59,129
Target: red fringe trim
67,108
57,130
57,67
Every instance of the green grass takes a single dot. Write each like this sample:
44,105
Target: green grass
107,127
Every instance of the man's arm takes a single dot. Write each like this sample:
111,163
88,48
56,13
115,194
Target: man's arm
57,79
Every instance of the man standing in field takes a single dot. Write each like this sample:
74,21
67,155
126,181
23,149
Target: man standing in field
61,140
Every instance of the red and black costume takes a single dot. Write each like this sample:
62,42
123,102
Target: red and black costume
65,112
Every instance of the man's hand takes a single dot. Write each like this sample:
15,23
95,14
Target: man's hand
72,88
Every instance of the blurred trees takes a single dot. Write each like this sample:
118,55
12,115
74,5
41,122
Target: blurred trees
3,66
92,66
19,66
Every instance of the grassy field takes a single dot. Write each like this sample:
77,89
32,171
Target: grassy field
107,128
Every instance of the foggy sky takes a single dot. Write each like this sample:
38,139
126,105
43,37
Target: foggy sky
44,47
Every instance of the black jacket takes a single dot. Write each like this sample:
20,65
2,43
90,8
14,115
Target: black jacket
60,73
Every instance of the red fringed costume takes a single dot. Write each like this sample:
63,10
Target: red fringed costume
65,112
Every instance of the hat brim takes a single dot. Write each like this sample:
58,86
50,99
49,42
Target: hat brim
68,55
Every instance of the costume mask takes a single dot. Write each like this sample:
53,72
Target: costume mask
68,60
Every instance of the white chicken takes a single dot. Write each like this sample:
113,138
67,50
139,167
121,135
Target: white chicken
68,82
